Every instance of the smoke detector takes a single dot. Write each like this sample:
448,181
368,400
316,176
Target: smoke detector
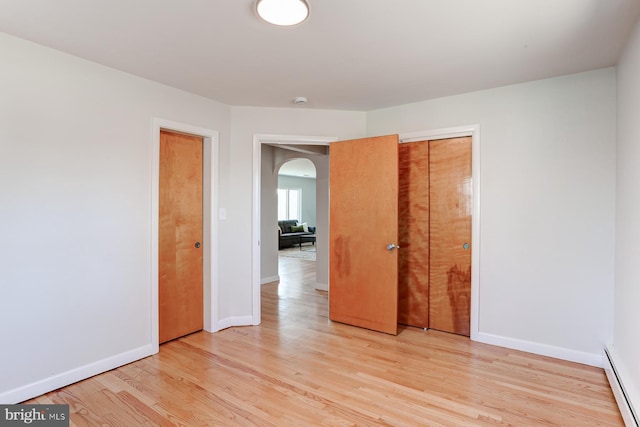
300,100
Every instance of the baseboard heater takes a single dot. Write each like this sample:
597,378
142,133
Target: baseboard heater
622,397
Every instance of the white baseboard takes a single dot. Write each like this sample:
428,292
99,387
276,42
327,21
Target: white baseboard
616,375
270,279
46,385
235,321
322,286
542,349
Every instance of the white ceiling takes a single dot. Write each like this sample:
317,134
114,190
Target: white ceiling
350,54
303,168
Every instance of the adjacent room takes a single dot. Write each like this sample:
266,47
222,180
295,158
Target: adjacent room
328,284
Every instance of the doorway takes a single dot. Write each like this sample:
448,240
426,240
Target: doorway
210,167
297,190
296,209
180,295
293,195
264,233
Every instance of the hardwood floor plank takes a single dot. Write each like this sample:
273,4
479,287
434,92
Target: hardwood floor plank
299,369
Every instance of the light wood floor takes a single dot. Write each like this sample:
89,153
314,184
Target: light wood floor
299,369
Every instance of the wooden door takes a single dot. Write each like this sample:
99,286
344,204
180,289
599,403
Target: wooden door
180,236
413,234
363,273
450,208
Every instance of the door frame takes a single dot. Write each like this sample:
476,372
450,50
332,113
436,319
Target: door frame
474,132
210,168
258,140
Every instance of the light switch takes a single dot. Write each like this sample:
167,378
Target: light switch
223,214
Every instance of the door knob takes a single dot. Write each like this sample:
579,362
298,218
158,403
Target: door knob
465,246
392,246
197,245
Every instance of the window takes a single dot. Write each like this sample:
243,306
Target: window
290,203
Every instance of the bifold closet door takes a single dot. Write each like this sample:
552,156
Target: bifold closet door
450,209
413,234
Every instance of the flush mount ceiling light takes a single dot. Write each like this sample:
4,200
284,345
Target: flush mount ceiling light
283,12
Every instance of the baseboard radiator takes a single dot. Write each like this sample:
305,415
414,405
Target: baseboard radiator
627,410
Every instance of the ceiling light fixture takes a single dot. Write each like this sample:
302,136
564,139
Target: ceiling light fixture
283,12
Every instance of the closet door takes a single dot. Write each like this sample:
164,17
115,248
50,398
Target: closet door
363,267
450,206
413,234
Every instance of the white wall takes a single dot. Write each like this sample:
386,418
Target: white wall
268,217
627,291
547,207
322,222
75,185
75,191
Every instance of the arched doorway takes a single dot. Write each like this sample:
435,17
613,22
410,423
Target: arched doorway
296,201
